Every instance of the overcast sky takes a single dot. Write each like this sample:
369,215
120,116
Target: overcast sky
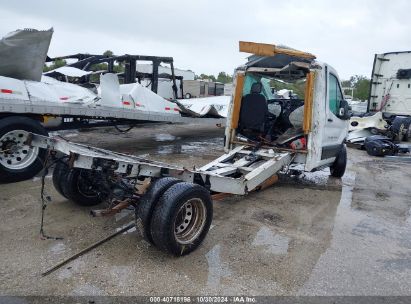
203,35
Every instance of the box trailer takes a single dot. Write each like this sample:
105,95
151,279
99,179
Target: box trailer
201,88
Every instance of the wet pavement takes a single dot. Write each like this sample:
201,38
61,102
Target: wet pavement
311,235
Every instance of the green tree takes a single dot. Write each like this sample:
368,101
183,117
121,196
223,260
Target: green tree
56,64
211,77
360,84
224,77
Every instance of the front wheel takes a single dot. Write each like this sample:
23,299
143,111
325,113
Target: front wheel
19,161
337,169
182,218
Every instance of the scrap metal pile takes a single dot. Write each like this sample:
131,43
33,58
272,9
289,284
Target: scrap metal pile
378,136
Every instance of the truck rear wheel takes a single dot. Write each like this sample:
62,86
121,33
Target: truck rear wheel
60,171
19,161
337,169
80,186
145,207
182,218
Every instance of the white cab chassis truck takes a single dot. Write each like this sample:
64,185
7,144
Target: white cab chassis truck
263,136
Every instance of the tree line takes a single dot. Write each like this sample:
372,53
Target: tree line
359,85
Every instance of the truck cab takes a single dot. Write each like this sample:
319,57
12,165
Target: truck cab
312,121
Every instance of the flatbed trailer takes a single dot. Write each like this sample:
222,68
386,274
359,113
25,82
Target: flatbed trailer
50,109
19,117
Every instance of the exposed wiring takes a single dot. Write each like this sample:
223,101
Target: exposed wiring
45,199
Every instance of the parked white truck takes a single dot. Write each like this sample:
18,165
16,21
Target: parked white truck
263,136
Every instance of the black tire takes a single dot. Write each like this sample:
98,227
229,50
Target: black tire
60,173
400,127
81,190
187,95
9,124
337,169
407,131
407,135
145,207
165,220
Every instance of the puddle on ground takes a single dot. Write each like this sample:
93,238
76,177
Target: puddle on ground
165,137
216,268
273,243
65,133
190,147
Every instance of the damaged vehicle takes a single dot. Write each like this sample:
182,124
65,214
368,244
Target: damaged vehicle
264,136
389,103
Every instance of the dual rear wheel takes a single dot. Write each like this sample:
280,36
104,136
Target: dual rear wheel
175,216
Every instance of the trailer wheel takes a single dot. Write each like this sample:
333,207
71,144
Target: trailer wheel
337,169
182,218
60,172
19,161
187,96
80,186
145,207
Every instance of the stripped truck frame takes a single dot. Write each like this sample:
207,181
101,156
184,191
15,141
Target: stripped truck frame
173,205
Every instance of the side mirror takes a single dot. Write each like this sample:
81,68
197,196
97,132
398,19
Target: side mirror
344,110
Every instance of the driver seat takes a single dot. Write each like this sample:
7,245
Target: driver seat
254,110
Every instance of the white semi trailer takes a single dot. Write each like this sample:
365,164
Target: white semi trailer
390,91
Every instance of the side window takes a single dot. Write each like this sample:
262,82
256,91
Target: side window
334,94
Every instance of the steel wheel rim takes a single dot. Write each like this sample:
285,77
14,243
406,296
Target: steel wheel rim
15,154
85,187
190,221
